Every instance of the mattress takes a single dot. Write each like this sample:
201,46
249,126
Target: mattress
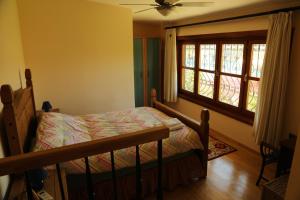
57,130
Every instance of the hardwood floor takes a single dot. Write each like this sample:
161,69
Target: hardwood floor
230,177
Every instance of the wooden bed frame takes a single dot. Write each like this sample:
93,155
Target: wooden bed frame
201,128
18,116
20,119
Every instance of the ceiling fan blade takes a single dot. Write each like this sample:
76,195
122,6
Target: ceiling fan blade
137,4
194,4
143,10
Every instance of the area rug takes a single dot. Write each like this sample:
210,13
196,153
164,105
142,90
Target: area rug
218,148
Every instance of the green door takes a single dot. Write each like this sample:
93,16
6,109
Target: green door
154,69
138,72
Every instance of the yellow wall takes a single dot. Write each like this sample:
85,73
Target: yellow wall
232,128
11,57
11,53
147,30
80,53
247,24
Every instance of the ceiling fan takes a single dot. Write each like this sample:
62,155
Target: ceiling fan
164,7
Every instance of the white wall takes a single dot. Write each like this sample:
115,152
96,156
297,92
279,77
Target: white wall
11,57
80,53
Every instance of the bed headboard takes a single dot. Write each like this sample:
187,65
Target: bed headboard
19,116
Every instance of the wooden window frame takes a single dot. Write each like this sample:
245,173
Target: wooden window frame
247,38
189,68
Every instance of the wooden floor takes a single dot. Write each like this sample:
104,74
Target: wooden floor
230,177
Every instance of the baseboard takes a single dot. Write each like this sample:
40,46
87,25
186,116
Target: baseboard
232,142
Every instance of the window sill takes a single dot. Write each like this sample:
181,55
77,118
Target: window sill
245,117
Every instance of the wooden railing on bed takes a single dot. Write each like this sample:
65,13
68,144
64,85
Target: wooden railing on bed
20,121
20,163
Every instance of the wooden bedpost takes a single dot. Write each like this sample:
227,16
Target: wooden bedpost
28,78
153,97
29,85
204,128
19,116
9,120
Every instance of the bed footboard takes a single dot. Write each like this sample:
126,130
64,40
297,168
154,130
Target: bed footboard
201,128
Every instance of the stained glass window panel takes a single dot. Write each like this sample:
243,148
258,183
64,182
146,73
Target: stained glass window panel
257,59
188,79
206,84
252,95
232,58
188,55
207,56
229,91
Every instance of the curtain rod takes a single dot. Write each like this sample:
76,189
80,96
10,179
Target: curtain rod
237,17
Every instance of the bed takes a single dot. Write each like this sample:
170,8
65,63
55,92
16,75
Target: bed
184,152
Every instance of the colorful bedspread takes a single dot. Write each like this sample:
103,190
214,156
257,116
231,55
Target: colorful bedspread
56,130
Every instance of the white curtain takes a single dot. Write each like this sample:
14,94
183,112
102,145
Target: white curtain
170,67
268,120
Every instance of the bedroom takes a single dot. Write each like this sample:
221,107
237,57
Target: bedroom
70,43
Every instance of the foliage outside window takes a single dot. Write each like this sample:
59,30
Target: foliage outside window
222,71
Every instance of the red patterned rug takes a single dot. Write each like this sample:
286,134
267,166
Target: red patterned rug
218,148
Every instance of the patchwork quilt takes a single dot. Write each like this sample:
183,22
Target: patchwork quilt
56,130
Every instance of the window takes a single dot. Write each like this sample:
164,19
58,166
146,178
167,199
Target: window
207,60
188,65
222,71
256,62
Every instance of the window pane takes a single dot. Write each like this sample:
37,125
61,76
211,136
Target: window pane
232,58
257,59
188,55
252,95
229,91
188,79
207,56
206,84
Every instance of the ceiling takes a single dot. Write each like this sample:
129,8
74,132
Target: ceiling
184,12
